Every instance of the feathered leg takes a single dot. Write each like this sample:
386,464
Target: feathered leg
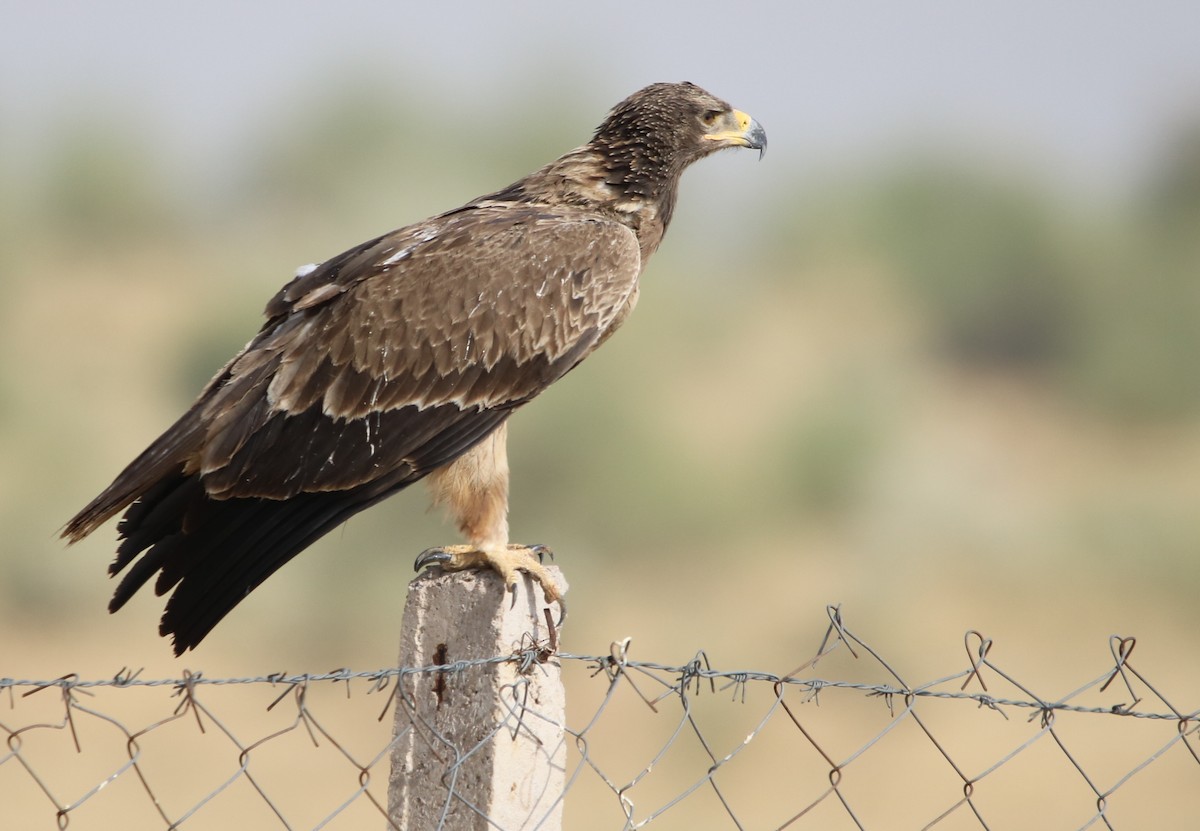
474,489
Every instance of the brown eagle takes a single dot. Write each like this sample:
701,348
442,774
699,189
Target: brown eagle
403,358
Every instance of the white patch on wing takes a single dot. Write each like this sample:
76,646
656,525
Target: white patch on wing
398,256
424,236
305,270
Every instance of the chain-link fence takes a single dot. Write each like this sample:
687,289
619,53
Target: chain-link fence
673,746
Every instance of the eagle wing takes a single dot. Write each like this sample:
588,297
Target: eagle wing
392,357
372,370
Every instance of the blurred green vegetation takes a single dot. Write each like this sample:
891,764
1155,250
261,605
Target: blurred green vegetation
728,413
984,254
1009,274
103,183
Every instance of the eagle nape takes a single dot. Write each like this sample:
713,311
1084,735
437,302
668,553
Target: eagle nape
506,562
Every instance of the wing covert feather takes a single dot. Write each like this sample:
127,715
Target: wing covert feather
397,355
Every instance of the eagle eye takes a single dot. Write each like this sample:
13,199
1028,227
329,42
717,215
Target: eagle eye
710,117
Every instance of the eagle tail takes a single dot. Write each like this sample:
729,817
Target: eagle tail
213,552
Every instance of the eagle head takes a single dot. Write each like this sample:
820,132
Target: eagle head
658,131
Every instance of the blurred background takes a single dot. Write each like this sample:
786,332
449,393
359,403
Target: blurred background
935,357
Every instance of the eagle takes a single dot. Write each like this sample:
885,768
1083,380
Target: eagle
402,359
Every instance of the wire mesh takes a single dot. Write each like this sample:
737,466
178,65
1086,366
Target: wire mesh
669,745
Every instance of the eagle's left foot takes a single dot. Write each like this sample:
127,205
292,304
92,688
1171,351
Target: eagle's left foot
504,561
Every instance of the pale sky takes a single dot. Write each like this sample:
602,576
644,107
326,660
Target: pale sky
1086,88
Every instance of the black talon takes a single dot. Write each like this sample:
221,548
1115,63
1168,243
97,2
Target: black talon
431,557
541,551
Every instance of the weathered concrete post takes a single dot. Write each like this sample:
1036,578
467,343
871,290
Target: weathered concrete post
479,747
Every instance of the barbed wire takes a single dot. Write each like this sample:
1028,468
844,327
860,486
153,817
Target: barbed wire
678,745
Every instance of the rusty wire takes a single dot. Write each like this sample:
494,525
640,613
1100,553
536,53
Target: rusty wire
629,721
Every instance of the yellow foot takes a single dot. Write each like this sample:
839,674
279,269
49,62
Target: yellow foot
504,561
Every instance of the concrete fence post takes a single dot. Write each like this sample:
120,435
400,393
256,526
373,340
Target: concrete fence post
480,747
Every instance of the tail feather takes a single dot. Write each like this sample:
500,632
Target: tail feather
205,596
153,516
214,552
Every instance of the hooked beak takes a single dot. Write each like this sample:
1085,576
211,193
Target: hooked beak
737,129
